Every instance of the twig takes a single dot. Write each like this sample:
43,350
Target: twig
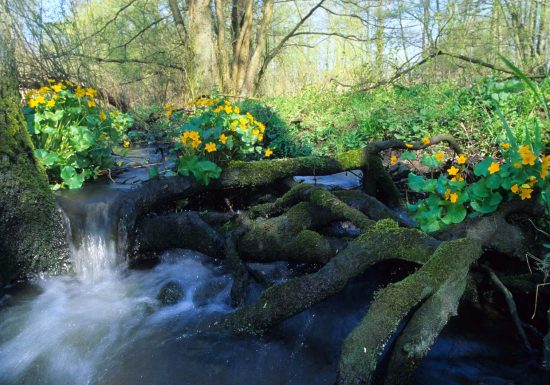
511,305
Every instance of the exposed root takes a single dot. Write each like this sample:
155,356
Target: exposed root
185,230
361,349
423,328
385,240
239,270
511,305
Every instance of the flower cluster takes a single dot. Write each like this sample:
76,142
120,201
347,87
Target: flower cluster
73,138
219,132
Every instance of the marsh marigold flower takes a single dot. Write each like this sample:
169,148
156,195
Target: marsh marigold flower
223,138
268,153
505,145
393,160
462,159
494,167
453,171
514,188
426,140
102,116
210,147
526,193
408,145
453,198
439,156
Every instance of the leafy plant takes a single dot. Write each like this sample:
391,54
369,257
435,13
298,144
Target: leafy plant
217,134
72,137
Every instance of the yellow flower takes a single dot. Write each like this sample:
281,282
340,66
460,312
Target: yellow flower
543,173
261,137
457,178
453,170
439,156
426,140
51,81
524,149
40,100
447,194
168,113
236,110
102,116
51,103
91,92
494,167
228,109
167,106
43,90
526,193
69,83
517,165
218,109
243,120
57,87
223,138
79,92
210,147
91,103
514,188
528,159
408,145
249,116
33,103
256,132
261,125
125,144
454,197
393,160
505,145
268,153
462,159
196,143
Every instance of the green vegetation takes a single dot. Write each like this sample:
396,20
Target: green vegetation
216,134
73,138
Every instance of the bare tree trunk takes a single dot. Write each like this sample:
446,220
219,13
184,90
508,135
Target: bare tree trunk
250,81
201,43
223,61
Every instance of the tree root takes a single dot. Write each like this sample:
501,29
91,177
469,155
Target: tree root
385,240
238,268
361,349
423,328
510,303
185,230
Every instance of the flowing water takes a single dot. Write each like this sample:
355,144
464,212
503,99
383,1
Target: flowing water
104,325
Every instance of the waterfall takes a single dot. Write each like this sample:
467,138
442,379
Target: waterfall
92,221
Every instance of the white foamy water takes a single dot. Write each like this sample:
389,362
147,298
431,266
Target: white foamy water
66,332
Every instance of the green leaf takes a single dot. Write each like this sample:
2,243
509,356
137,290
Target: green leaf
419,183
482,168
430,161
408,155
455,214
479,190
71,178
153,171
493,181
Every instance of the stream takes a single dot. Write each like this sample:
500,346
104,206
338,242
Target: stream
104,325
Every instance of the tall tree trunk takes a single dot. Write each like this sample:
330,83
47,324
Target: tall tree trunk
201,43
32,238
250,81
379,38
223,61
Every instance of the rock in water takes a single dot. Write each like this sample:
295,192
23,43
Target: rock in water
170,294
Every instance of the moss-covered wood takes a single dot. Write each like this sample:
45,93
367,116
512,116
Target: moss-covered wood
32,238
385,240
361,350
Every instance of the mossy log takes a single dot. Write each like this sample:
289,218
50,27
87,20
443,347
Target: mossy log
288,237
184,230
382,241
422,329
32,235
361,350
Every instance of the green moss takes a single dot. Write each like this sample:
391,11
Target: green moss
325,199
311,246
264,172
32,237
